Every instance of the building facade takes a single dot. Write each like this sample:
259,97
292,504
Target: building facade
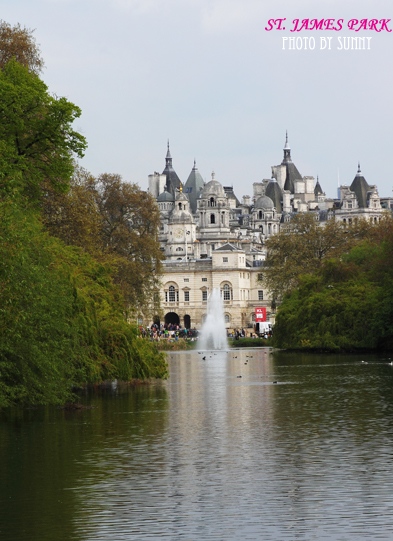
211,239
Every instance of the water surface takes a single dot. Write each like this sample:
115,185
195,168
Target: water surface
209,455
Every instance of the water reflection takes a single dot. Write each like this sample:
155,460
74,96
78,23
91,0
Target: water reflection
210,455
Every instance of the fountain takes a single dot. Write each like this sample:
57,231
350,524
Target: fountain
213,332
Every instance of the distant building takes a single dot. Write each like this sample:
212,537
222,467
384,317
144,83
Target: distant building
212,240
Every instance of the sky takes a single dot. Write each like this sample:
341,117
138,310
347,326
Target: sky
206,75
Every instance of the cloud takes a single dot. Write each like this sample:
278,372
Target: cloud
228,15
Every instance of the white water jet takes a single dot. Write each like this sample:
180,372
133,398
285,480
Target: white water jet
213,332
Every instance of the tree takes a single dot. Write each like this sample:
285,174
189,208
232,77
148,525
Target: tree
62,319
117,223
73,216
19,43
130,223
302,246
37,142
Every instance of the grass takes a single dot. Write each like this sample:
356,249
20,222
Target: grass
249,343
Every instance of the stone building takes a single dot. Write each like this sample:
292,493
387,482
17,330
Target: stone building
212,240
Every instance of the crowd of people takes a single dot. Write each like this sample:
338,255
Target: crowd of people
167,332
174,332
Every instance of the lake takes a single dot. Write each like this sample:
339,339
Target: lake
208,455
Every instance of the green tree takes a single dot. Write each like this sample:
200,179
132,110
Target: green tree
62,319
302,246
347,303
37,142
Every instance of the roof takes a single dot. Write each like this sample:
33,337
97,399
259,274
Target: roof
172,180
292,172
231,194
360,187
318,189
264,202
292,175
273,191
228,247
194,187
213,188
165,197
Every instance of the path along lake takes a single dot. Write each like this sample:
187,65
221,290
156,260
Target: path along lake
208,455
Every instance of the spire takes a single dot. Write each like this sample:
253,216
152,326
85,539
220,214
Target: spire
286,140
168,157
213,175
359,173
287,150
195,167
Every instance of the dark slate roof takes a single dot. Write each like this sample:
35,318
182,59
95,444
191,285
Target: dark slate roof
318,189
360,187
273,191
292,172
231,194
228,247
194,187
172,180
292,175
165,197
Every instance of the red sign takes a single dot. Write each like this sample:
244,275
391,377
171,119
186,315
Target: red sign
260,314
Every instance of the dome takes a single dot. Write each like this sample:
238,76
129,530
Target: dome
264,202
213,188
181,196
165,197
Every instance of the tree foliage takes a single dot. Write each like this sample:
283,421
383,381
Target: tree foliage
19,43
114,221
347,303
37,141
130,224
301,248
62,320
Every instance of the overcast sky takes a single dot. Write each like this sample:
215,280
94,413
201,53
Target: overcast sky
208,76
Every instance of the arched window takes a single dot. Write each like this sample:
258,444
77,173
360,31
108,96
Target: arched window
212,219
227,318
212,203
172,294
252,317
260,215
179,206
226,292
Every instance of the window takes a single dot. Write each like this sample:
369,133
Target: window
253,317
212,219
172,296
186,296
204,295
166,296
179,249
204,279
226,292
260,215
225,260
260,277
227,318
186,279
260,295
